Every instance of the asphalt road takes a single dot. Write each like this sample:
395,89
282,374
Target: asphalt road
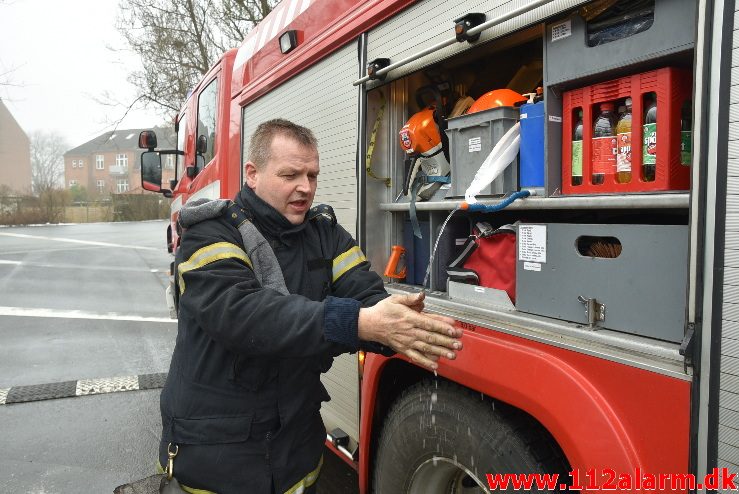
78,303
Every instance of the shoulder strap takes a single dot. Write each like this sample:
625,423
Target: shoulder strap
264,262
236,215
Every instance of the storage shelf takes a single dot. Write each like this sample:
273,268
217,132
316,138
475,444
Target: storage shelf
677,200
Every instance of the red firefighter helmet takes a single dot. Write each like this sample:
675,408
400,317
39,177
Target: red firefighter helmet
420,135
495,99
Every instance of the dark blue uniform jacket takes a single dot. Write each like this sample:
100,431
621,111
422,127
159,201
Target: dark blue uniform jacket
243,393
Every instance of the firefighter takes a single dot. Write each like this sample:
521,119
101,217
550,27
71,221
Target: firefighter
270,291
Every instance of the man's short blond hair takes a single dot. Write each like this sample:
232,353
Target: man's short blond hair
260,144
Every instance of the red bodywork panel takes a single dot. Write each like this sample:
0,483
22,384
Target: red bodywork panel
324,27
603,414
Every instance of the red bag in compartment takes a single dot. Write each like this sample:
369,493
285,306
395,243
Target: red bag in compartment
488,258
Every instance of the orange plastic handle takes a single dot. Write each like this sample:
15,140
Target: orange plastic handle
396,256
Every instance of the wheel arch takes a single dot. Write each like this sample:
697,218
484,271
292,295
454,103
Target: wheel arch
562,390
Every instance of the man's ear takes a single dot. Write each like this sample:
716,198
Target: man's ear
250,174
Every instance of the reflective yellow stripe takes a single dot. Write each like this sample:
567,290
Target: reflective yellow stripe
306,481
209,254
184,487
346,261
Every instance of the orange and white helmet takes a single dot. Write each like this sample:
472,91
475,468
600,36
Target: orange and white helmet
420,135
421,140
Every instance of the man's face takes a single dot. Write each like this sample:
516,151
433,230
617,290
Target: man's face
287,182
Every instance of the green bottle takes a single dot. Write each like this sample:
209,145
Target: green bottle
577,151
649,144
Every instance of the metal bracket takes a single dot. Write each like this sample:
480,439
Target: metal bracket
594,311
375,66
687,346
465,23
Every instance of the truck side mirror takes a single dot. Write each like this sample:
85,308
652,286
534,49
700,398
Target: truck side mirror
202,145
148,140
151,170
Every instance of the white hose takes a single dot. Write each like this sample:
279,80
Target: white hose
500,157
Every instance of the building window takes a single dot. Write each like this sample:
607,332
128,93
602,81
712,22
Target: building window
72,183
122,185
99,162
74,163
101,186
121,160
80,163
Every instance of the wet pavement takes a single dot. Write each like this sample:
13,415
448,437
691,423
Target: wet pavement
86,302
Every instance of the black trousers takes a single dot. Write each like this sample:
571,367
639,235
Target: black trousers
235,468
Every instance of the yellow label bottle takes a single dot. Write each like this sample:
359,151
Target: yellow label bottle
623,134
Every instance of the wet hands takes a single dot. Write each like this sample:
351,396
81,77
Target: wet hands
398,322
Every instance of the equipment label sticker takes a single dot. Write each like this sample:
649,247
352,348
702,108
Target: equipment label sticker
555,118
562,30
475,144
532,266
532,243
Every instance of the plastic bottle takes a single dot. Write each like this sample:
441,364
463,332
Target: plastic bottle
604,144
577,151
623,134
649,147
686,143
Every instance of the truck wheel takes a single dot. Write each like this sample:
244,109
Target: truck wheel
440,438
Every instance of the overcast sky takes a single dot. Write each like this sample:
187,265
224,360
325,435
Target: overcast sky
57,52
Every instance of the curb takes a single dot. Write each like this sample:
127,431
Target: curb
82,387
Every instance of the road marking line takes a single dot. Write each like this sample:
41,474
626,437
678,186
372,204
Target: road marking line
75,241
81,266
77,314
3,395
107,385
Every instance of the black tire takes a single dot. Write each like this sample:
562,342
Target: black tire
441,438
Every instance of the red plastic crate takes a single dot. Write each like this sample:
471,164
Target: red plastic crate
673,88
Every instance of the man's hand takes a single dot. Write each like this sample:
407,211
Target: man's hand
397,322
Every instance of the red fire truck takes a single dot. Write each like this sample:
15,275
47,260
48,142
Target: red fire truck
607,369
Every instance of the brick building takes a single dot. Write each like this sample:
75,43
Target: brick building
111,162
15,154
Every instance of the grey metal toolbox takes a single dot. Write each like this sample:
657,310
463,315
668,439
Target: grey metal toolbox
568,57
471,138
642,291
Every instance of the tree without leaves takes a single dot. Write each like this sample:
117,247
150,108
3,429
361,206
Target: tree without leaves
5,77
47,174
179,40
47,161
